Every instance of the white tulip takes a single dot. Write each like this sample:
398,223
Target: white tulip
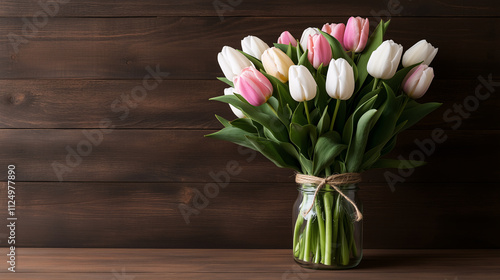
304,39
232,62
253,46
236,111
384,61
421,51
340,82
301,83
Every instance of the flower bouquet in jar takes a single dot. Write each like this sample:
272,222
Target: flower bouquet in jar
328,106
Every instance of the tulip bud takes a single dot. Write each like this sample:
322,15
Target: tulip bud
253,46
304,39
253,86
356,34
286,38
302,84
384,61
421,51
276,63
319,51
336,30
232,62
417,82
236,111
340,82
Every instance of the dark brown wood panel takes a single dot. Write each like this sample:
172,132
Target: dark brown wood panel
85,8
186,156
178,104
186,47
244,215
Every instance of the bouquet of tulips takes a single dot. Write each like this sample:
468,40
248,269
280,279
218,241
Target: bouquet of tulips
332,102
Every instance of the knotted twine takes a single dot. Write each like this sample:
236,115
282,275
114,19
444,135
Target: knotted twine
334,181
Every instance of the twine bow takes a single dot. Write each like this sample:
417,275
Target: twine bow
334,181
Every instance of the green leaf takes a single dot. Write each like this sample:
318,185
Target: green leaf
356,151
324,122
348,131
384,128
389,146
328,147
282,47
246,125
269,121
396,163
373,43
368,96
275,152
299,115
306,164
225,80
303,137
416,112
233,134
223,121
257,63
303,60
322,98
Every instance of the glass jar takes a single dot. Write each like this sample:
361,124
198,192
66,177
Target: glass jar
326,234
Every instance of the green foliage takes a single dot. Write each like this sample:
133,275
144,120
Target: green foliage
365,129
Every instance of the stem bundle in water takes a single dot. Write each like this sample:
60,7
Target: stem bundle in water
325,237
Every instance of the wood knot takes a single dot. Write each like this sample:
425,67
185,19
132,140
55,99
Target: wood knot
17,98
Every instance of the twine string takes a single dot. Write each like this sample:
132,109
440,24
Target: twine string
334,181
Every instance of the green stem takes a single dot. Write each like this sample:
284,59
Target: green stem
352,245
352,55
344,247
375,83
296,235
332,123
307,112
321,225
336,218
307,241
328,229
317,254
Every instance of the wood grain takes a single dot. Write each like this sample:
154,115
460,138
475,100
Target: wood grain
186,156
248,264
62,80
181,104
85,8
244,215
186,47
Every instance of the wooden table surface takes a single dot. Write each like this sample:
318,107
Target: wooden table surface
136,264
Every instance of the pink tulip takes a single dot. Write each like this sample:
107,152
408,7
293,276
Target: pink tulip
253,86
336,30
319,50
356,34
417,82
286,38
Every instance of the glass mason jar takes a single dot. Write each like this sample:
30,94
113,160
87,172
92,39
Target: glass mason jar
328,236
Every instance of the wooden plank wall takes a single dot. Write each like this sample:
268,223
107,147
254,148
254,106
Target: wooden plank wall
75,71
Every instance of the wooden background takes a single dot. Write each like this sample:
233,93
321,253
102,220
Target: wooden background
127,191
